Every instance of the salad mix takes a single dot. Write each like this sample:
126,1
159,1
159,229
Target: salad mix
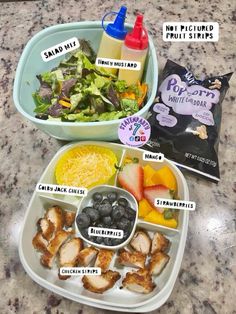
77,90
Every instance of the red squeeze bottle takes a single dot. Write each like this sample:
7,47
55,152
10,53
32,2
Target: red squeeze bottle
135,48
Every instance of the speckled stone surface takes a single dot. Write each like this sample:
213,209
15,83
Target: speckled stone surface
206,282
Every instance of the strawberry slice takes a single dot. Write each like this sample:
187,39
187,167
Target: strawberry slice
131,179
157,191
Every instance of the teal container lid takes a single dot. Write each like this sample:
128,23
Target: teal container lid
117,28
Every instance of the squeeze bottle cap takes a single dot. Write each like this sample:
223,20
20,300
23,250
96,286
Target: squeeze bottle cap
138,38
116,29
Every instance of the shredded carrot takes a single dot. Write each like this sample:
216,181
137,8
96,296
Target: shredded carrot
129,95
143,90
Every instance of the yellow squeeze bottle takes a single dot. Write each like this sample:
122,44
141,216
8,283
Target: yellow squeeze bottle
135,48
113,38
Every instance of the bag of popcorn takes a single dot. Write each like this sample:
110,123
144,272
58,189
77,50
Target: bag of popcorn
185,119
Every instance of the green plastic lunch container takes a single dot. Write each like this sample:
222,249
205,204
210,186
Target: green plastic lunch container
31,64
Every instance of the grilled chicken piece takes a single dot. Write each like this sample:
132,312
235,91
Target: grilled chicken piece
69,251
159,243
60,237
158,262
39,242
135,259
103,259
56,216
87,256
139,281
54,245
47,259
68,255
100,283
69,218
141,242
47,228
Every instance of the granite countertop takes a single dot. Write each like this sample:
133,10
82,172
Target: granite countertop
206,282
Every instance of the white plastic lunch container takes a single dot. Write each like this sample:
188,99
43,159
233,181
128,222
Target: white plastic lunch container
73,288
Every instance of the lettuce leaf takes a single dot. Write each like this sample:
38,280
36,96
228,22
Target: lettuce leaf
101,81
129,105
92,91
81,117
41,105
120,86
74,100
106,116
50,77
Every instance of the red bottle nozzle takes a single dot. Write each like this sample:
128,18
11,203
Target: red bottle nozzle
138,38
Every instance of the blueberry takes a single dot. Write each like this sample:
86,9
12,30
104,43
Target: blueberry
108,241
99,240
113,226
97,197
131,213
117,212
131,225
96,205
123,202
116,241
99,225
112,197
123,224
84,233
105,209
126,235
126,214
107,221
92,213
84,210
92,238
82,220
105,201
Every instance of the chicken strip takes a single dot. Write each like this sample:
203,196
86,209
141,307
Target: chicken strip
47,228
159,243
56,216
68,255
69,252
103,259
39,242
158,262
54,245
69,218
87,256
47,259
101,283
60,237
139,281
141,242
131,259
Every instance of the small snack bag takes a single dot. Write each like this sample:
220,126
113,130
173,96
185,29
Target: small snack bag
185,119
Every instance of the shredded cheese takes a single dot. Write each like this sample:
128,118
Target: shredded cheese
86,166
